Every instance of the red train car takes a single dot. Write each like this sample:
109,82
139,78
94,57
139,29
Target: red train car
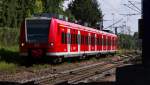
58,39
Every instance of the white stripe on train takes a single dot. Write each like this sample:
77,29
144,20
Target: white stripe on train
66,54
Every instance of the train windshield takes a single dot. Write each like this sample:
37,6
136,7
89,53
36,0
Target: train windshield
37,30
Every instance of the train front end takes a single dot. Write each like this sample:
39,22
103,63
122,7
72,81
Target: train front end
34,34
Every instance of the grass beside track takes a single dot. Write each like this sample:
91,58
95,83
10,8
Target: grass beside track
8,58
7,67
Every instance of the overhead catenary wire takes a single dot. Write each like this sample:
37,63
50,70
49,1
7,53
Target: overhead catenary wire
131,8
134,6
114,23
113,10
131,14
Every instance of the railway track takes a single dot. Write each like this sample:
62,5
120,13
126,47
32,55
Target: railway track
78,74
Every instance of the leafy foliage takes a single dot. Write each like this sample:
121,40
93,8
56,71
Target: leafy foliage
129,41
86,11
8,37
14,11
53,6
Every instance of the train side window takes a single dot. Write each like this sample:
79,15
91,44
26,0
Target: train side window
64,38
79,39
86,40
72,38
68,38
104,41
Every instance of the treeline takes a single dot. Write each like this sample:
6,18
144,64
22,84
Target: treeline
129,41
12,12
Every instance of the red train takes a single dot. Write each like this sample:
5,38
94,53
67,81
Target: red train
58,39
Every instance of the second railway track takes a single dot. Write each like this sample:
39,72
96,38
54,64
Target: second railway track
78,74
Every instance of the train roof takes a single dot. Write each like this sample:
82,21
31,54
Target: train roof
77,26
73,25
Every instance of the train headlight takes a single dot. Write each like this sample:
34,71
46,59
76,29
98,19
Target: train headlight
22,44
51,44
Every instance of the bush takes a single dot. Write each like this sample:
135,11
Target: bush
9,36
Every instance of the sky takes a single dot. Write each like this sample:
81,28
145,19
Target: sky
113,10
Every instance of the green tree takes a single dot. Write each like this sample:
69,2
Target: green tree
53,6
127,41
9,13
86,11
14,11
38,6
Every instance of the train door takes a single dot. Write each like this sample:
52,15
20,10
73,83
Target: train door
109,43
96,36
63,39
74,43
92,42
79,41
68,40
86,41
101,41
89,41
104,42
98,42
112,43
82,45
